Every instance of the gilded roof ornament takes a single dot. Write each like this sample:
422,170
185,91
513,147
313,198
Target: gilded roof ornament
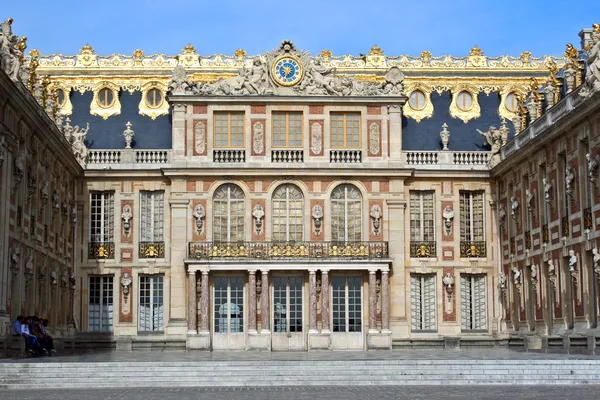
138,55
476,51
526,57
426,56
189,49
326,54
375,51
87,49
33,53
21,46
240,53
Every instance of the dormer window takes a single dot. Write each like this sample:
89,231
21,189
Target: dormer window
417,100
154,98
106,98
464,101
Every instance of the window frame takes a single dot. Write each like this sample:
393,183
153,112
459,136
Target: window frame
229,114
471,222
421,197
156,236
286,213
101,103
471,324
358,306
346,218
217,323
107,215
153,104
229,216
424,306
286,134
104,291
288,290
155,307
345,129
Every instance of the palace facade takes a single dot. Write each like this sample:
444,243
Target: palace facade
288,201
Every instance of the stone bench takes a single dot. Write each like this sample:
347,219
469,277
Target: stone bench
14,346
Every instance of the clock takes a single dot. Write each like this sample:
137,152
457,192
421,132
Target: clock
287,70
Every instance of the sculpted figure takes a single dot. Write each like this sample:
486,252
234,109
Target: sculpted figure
448,215
592,75
516,275
592,165
9,54
547,189
572,260
596,258
493,137
79,148
318,77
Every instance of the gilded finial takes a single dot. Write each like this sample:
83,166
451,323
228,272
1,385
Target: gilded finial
240,54
138,54
189,49
596,28
571,53
375,51
326,54
21,46
87,49
33,53
526,57
476,51
426,56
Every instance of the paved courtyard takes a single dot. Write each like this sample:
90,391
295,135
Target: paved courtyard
318,393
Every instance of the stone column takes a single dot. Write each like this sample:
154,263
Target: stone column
265,301
252,301
178,250
395,133
204,312
372,301
325,301
385,301
192,303
312,310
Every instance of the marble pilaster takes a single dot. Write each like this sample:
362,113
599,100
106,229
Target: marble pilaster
252,301
265,301
192,304
312,282
204,312
385,301
372,301
325,301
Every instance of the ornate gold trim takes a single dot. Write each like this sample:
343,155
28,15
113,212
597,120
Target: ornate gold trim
427,110
105,112
474,111
518,90
146,109
276,77
67,107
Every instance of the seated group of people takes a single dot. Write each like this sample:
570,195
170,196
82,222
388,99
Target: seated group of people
34,330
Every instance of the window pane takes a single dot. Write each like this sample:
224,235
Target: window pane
338,306
346,214
279,305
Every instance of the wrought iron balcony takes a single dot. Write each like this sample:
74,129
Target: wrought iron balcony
587,219
473,249
422,249
564,223
269,250
101,250
152,250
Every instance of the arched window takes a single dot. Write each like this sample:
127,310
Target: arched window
288,209
228,214
346,220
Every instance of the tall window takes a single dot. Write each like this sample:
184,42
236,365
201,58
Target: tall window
347,304
422,302
288,214
345,130
228,214
422,220
151,304
152,216
473,305
346,219
287,304
287,129
102,210
100,307
229,304
229,129
471,217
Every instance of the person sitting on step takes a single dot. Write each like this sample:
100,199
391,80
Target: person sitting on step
47,336
37,332
21,329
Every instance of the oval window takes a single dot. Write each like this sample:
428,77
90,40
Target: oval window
417,100
106,97
511,102
464,101
154,98
62,98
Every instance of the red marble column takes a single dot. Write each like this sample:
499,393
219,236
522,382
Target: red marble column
372,301
204,312
252,301
265,301
312,282
325,301
385,301
192,304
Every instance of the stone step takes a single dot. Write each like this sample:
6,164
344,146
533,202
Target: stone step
50,374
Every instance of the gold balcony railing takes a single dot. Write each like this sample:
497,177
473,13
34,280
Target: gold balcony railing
267,250
101,250
422,249
152,250
473,249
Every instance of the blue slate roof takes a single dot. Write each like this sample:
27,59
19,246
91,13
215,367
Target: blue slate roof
425,135
108,134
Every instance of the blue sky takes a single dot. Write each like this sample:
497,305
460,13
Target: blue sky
343,26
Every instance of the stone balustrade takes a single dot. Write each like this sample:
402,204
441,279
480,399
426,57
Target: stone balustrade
127,158
477,160
229,156
345,156
287,156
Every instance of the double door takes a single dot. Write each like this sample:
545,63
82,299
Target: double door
288,331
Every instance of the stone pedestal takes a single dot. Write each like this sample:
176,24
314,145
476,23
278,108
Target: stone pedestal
259,341
200,341
124,343
319,341
379,340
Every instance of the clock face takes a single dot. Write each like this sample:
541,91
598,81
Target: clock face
287,70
